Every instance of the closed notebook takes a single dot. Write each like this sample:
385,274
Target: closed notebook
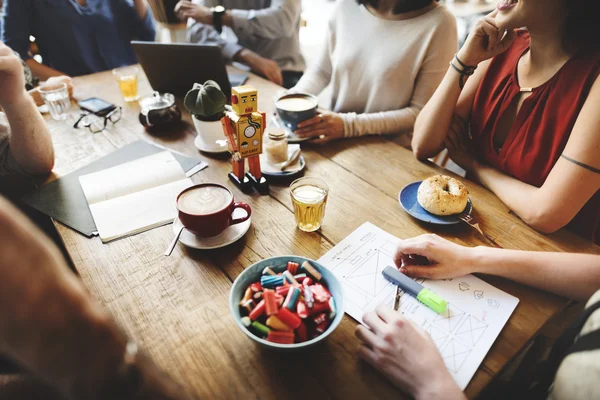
136,196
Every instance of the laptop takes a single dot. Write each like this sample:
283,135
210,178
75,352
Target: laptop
174,68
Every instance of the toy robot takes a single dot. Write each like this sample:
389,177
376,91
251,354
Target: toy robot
243,127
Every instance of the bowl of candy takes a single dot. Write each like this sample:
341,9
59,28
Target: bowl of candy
287,302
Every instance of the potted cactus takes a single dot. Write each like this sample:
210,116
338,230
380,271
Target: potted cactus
207,104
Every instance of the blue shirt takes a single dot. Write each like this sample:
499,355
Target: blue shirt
73,39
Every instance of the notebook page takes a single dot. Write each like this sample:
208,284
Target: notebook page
134,176
139,211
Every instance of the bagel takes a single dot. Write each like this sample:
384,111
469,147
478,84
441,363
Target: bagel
443,195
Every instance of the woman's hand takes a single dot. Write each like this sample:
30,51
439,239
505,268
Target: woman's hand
460,145
446,259
406,355
485,41
326,125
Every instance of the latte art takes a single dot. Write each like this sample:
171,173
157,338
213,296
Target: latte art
204,200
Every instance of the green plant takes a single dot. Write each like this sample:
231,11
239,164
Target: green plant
206,102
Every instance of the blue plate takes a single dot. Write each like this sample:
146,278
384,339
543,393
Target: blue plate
408,201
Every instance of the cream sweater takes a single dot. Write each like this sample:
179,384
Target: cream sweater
381,72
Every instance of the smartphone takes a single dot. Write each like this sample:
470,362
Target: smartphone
96,106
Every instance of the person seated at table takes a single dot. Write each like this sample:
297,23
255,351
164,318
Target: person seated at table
407,355
50,327
267,33
25,142
382,61
526,123
76,37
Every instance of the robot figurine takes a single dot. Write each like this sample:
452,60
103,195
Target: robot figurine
243,127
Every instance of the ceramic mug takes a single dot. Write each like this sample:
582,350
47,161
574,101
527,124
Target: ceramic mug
206,209
299,107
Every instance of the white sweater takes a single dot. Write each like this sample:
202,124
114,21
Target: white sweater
381,72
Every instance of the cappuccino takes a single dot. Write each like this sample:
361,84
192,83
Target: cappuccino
204,200
296,103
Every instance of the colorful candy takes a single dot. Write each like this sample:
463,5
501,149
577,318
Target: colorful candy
260,329
275,323
308,296
320,293
281,337
293,267
257,311
290,278
292,298
271,282
289,304
312,271
271,306
289,318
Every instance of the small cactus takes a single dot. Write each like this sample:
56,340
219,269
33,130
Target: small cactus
206,102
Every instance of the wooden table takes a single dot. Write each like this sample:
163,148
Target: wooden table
177,307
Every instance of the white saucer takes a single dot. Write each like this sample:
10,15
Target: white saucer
269,170
214,150
227,237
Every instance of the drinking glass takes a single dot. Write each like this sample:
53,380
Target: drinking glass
127,78
56,97
309,197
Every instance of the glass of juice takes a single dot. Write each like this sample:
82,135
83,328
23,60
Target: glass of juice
127,78
309,197
56,97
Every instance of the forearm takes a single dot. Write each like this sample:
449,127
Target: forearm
140,8
525,200
381,123
30,140
576,276
41,71
278,20
433,123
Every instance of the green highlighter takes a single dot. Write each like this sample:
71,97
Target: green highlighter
424,295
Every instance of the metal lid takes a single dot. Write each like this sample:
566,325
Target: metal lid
157,101
277,134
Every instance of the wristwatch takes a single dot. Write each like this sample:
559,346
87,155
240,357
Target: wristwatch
217,13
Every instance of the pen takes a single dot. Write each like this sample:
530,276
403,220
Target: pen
424,295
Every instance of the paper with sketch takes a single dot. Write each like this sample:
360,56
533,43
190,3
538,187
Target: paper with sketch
476,312
136,196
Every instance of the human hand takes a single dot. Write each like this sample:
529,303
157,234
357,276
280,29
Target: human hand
327,125
12,78
486,40
186,9
444,258
52,81
459,144
262,66
406,355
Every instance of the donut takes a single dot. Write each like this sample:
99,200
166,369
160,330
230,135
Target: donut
443,195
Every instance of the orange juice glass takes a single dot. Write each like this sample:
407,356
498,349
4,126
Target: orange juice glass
127,78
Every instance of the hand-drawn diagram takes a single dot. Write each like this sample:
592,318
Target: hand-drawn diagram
493,303
471,330
463,333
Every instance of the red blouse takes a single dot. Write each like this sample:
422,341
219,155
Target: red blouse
542,126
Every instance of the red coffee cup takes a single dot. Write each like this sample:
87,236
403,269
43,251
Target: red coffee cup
206,209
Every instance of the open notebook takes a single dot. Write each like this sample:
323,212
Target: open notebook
136,196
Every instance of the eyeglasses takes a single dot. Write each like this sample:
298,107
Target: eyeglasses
97,123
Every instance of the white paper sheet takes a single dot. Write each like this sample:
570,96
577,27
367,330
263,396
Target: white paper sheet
136,196
476,312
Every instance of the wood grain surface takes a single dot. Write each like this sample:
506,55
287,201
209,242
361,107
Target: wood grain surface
177,307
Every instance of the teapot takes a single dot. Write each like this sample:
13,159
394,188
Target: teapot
159,110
